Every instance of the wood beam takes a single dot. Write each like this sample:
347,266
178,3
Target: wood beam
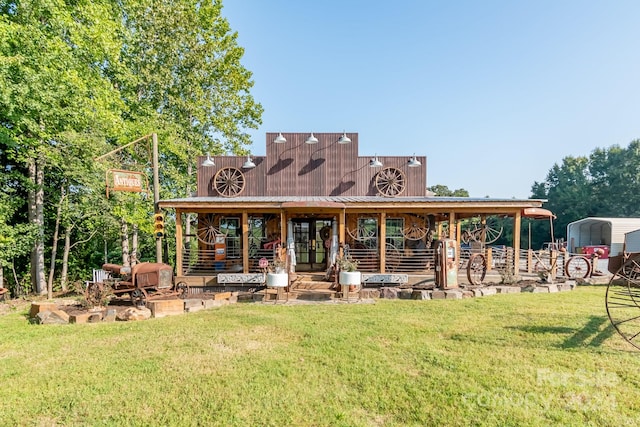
179,245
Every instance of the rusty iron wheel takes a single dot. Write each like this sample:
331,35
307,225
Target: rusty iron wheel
182,289
623,301
476,269
577,267
139,297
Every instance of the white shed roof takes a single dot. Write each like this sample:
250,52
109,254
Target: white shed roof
600,231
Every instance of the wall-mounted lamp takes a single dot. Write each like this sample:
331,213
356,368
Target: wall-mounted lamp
208,162
280,139
249,163
344,139
413,162
312,139
375,163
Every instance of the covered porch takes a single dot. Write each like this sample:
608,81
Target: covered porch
221,241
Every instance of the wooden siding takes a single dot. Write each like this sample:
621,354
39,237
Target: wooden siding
327,168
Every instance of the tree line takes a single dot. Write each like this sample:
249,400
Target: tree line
81,78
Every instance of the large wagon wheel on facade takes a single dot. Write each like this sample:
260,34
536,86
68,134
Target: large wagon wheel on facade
476,269
207,229
390,182
229,182
417,228
577,267
623,300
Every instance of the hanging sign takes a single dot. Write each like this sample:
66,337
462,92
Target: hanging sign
121,180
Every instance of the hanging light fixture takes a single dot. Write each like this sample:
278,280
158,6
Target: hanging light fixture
413,162
208,162
280,139
375,163
312,139
344,139
249,163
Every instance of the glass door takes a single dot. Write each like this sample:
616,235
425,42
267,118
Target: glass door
311,248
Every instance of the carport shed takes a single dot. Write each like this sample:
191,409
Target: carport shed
600,231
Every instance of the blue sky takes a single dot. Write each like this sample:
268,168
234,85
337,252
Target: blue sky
492,92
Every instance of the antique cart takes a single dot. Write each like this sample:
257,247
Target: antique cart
141,282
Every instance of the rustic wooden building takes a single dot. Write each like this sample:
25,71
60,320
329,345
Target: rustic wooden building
314,196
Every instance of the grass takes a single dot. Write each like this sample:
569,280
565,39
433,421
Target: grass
525,359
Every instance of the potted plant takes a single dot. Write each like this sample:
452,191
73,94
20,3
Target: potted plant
349,274
277,277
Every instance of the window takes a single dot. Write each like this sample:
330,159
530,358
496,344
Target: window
230,227
394,232
368,232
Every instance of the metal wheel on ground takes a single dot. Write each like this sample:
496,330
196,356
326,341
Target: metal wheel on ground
139,297
623,301
476,269
577,267
182,289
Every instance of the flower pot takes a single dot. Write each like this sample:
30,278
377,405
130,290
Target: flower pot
277,280
350,278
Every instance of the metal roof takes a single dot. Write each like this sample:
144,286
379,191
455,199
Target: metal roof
346,199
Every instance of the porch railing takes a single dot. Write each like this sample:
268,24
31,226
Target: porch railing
197,261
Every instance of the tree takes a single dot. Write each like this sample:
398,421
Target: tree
607,183
80,78
52,81
443,190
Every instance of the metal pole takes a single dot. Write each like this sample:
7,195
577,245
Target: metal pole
156,192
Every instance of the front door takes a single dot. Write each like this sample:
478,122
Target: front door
311,250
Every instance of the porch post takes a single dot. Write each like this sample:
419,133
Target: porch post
382,241
517,220
291,247
245,242
341,227
452,225
179,271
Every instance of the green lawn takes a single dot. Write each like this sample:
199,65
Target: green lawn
518,359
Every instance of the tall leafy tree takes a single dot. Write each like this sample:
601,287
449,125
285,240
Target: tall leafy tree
606,183
443,190
54,56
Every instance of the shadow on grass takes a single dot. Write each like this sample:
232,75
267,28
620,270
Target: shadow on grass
592,334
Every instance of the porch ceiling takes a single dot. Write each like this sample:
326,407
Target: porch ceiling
461,205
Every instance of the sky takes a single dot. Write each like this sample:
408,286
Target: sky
494,93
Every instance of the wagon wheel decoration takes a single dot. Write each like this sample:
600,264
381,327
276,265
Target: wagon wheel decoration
362,233
476,269
492,230
623,301
577,267
393,256
417,229
228,182
207,230
390,182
